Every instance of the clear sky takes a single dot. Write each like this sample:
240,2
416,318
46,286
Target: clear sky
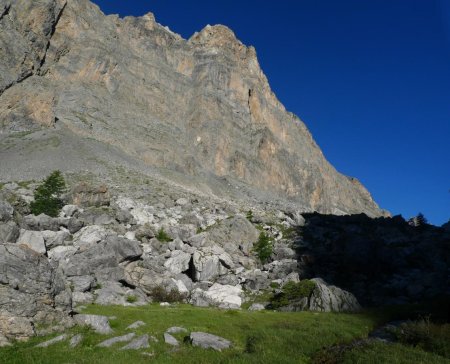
371,80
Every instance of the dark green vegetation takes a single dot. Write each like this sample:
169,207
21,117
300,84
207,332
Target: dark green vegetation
293,291
163,237
263,247
47,197
258,337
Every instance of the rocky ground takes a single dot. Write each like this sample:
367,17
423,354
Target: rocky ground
117,246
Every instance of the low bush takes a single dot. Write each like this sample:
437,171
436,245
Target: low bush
162,236
160,294
426,335
293,291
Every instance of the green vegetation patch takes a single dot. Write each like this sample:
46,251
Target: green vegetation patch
263,247
47,197
162,236
257,337
293,291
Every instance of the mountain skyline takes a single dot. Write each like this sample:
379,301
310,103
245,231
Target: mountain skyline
370,81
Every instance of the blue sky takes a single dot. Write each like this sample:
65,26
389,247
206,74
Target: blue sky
371,80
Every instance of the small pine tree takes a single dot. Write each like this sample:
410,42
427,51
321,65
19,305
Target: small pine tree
47,197
263,247
418,221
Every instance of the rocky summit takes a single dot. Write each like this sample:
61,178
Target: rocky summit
80,90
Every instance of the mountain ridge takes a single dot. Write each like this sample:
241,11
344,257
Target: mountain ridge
200,107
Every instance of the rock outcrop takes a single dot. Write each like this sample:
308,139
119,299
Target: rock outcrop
130,91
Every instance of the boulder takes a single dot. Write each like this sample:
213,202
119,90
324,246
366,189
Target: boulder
89,236
176,330
178,262
81,283
9,232
6,211
85,195
136,325
222,296
75,340
118,339
33,240
209,341
326,298
100,324
40,222
53,239
170,340
31,291
69,210
61,253
107,254
139,343
53,341
256,307
18,328
237,230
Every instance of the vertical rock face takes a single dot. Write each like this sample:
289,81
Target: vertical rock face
201,107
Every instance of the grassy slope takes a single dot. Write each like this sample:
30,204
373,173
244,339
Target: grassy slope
258,337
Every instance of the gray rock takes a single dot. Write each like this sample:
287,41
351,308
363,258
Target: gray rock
69,210
327,298
118,339
55,340
136,325
82,283
82,298
139,343
209,341
104,255
75,340
222,296
6,211
26,279
72,224
178,262
4,341
41,222
89,236
170,340
61,253
176,330
99,323
33,240
9,232
256,307
53,239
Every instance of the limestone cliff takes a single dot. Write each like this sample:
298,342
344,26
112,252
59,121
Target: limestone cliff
200,107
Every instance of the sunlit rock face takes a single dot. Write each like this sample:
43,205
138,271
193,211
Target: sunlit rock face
200,107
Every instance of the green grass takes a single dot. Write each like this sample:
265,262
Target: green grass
258,337
379,352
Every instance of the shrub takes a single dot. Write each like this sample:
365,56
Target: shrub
162,236
160,294
249,215
293,291
426,335
47,197
263,247
131,299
